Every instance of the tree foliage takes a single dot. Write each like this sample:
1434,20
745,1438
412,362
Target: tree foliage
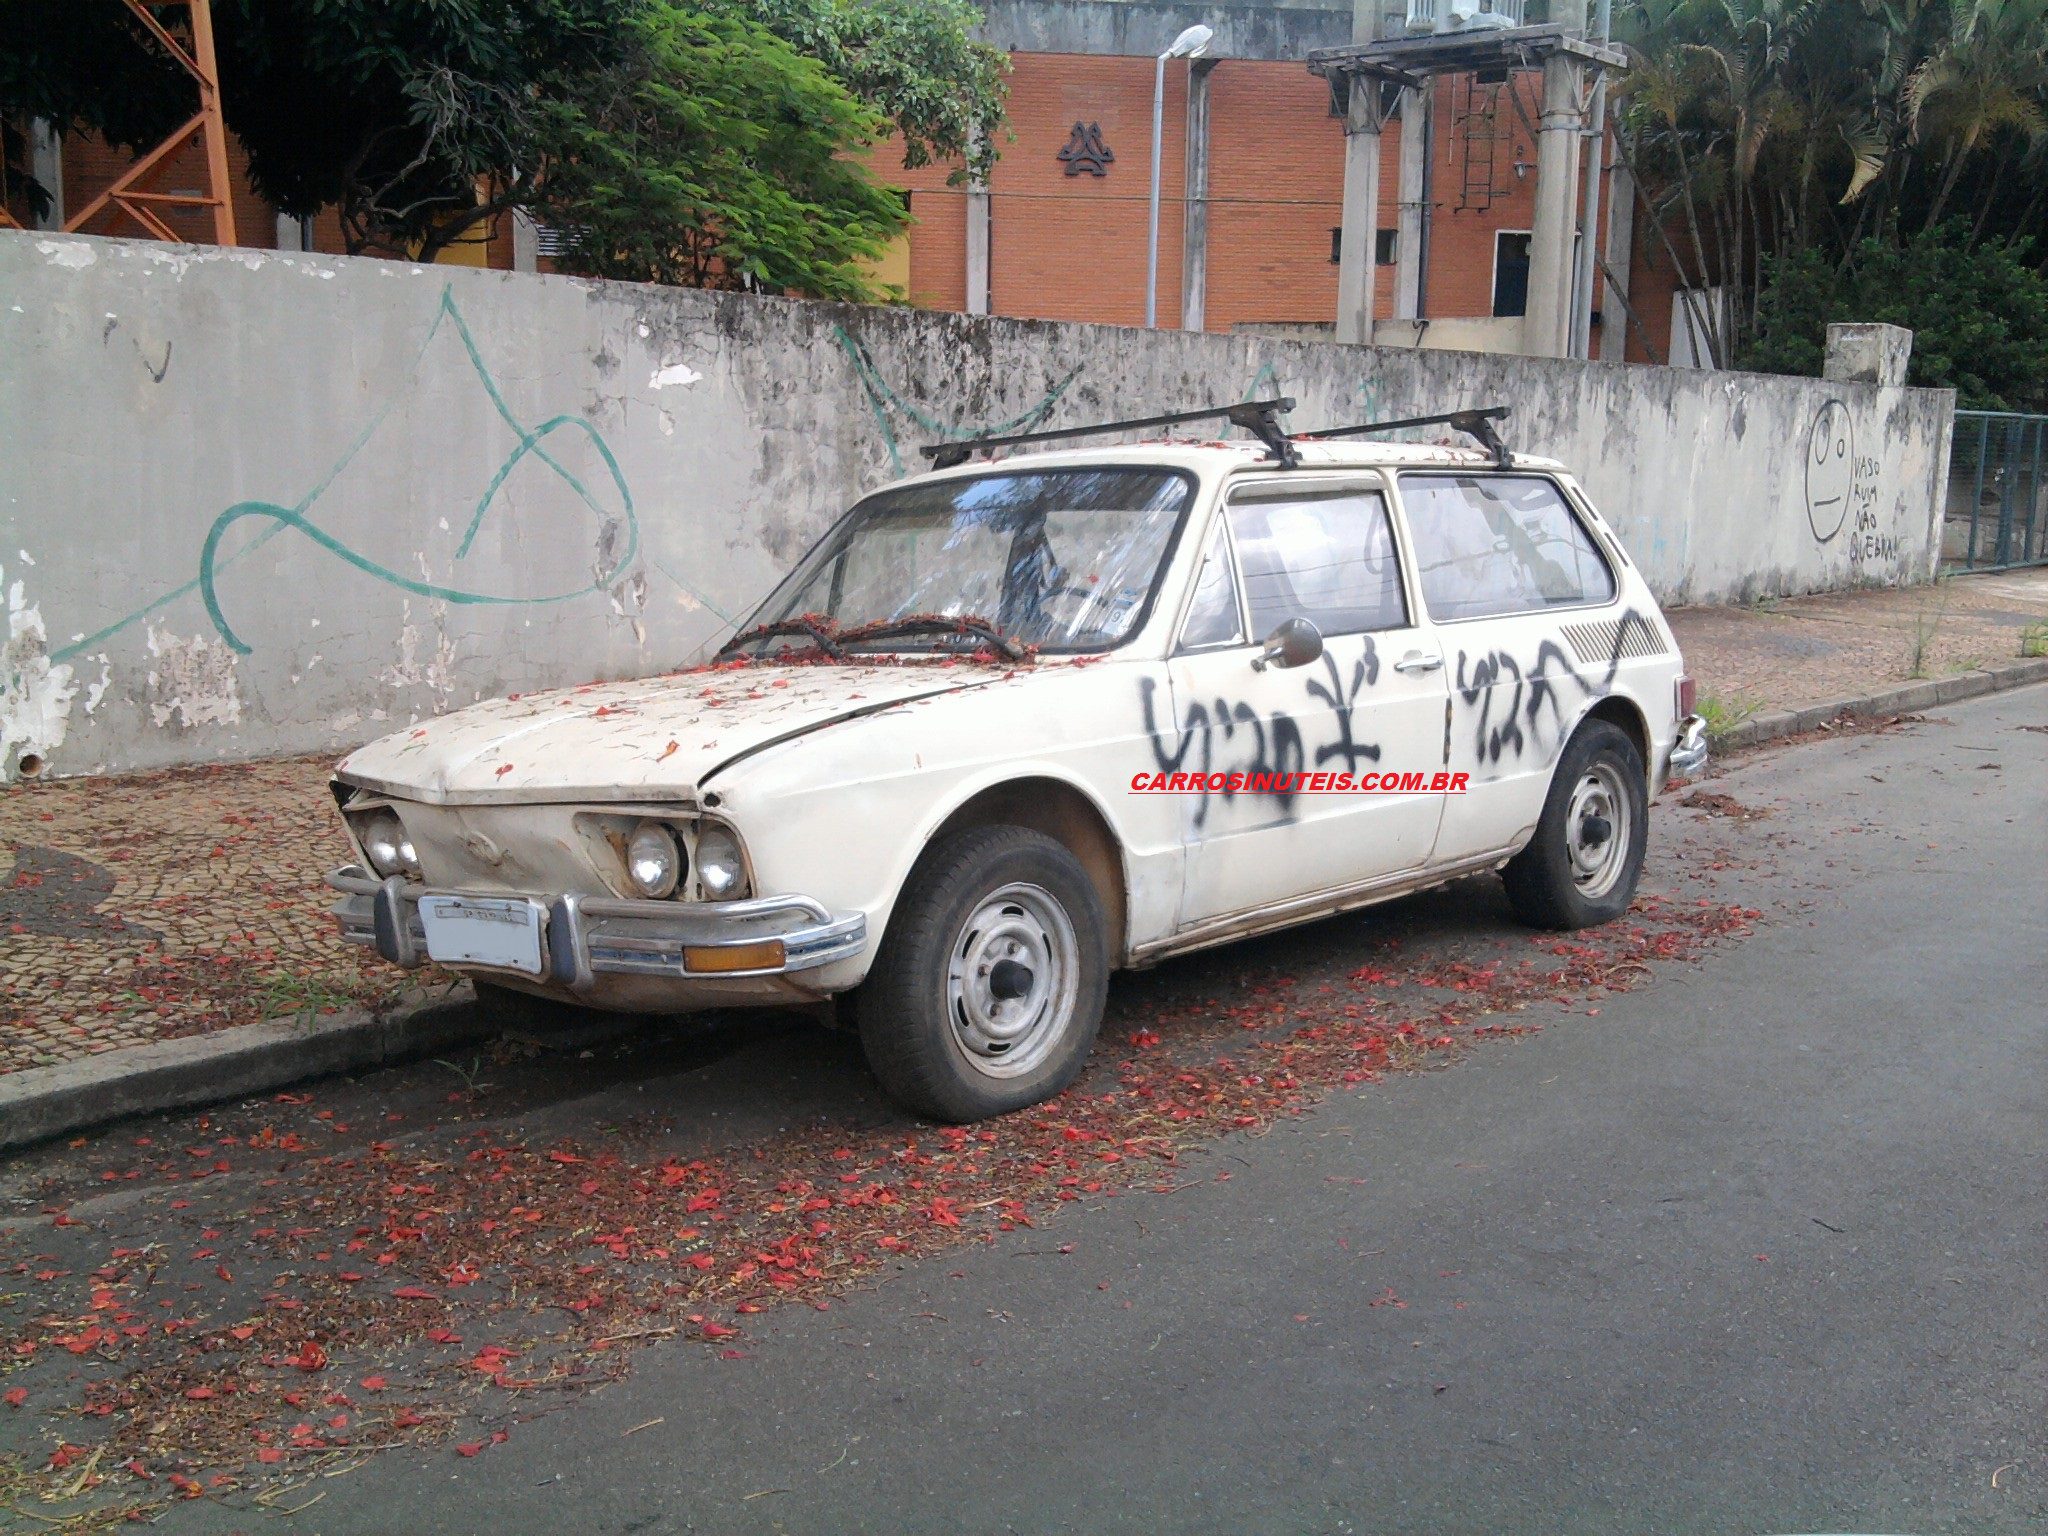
420,120
1789,142
1978,311
714,155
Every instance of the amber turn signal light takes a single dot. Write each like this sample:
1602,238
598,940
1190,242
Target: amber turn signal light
768,955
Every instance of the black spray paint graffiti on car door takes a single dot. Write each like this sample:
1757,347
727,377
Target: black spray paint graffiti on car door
1202,742
1536,689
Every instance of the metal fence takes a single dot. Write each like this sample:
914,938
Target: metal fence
1997,512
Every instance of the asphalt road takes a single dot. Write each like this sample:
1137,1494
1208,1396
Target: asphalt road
1754,1248
1758,1248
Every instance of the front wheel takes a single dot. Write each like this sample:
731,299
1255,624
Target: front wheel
1582,865
989,986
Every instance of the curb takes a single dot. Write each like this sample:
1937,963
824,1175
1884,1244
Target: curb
1911,696
42,1102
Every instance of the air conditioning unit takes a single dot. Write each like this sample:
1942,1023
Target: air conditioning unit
1463,15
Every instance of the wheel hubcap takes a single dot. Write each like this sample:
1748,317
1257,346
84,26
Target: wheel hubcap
1597,831
1012,979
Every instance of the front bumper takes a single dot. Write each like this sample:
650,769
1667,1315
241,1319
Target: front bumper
1689,755
586,937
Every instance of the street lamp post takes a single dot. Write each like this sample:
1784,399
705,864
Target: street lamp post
1186,46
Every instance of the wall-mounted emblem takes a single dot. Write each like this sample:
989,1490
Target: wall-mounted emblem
1085,151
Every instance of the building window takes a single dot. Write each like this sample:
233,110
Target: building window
1386,246
1510,272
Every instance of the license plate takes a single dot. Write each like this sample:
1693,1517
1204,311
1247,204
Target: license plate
483,930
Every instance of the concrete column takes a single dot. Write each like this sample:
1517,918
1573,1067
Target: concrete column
1546,329
1621,254
1412,190
293,233
46,164
1194,260
525,242
1868,354
977,248
1361,227
978,218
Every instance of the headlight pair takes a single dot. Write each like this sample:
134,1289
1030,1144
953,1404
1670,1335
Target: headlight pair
387,845
656,862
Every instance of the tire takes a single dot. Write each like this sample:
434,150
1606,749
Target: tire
948,1030
1569,876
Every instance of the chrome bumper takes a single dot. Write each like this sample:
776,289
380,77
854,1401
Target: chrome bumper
585,937
1689,755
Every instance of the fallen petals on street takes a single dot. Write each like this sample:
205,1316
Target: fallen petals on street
341,1287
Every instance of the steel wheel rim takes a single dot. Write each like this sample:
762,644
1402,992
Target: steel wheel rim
1003,1032
1598,828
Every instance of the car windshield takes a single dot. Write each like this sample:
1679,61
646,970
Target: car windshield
1060,559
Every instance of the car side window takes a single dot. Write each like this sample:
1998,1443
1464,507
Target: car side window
1212,616
1322,555
1487,545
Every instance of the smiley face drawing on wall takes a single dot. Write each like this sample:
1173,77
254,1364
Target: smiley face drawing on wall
1830,470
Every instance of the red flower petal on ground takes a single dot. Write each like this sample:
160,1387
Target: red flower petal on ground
15,1396
474,1448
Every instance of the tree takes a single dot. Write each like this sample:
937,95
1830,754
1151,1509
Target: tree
916,61
715,155
422,119
1774,138
1978,311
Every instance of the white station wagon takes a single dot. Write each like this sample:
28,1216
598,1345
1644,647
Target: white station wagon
1016,723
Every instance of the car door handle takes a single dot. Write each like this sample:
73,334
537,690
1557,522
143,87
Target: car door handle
1415,661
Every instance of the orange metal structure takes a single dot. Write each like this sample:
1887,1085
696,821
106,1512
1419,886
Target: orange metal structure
134,192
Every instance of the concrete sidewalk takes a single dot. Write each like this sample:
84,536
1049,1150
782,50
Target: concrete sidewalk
169,907
1791,654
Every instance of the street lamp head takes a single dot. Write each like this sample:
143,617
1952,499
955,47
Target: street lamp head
1190,42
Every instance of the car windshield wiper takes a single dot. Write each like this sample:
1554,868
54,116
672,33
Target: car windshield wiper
935,624
810,628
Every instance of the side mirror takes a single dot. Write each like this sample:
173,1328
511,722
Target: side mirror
1294,643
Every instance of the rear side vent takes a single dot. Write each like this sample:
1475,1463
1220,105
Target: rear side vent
1623,639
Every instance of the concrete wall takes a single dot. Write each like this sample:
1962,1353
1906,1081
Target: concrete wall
257,502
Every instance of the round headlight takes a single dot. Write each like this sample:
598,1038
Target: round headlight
390,851
720,869
653,861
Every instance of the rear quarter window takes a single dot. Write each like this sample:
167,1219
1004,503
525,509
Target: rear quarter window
1489,545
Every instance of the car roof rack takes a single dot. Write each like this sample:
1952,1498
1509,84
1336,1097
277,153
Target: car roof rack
1477,423
1258,417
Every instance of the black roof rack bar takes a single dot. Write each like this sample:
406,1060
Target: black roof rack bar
1258,417
1477,423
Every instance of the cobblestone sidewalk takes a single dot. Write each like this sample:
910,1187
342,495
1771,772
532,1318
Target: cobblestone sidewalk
174,904
165,905
1812,650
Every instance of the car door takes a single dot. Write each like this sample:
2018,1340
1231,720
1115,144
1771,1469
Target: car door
1273,748
1503,564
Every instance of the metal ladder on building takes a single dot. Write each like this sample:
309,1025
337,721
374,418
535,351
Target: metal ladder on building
1481,122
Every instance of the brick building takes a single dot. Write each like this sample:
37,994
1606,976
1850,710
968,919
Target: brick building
1252,169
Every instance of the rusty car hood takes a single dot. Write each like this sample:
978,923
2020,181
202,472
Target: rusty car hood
656,739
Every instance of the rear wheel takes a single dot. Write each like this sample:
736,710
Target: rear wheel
989,986
1582,865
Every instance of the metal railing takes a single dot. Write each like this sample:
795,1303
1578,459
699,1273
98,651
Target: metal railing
1997,512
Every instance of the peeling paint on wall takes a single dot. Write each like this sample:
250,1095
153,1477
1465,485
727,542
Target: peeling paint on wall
67,253
436,669
193,681
390,413
35,696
